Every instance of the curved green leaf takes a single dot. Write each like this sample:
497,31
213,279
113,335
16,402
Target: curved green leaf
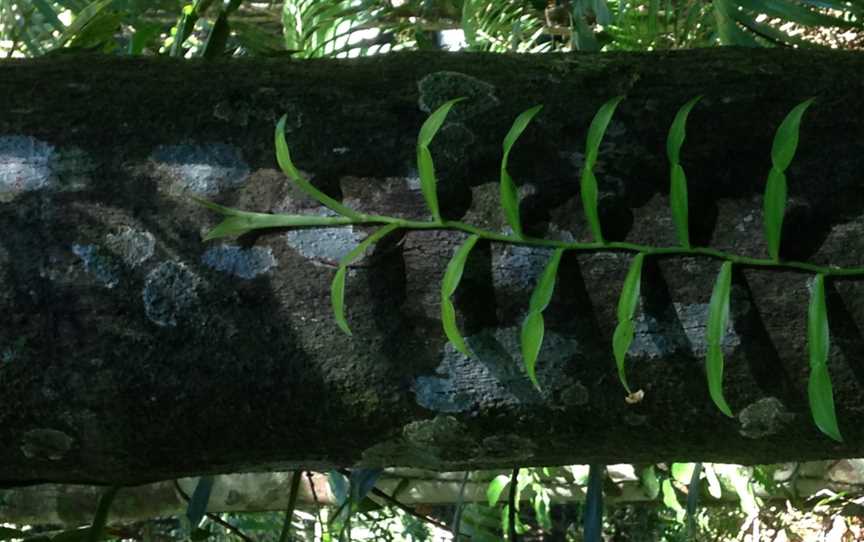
337,287
588,183
533,325
452,276
678,201
283,157
509,194
786,137
718,318
677,132
627,302
496,487
774,208
678,180
819,388
425,166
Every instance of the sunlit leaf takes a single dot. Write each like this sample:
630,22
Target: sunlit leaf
588,183
509,194
650,482
452,276
714,487
496,487
283,157
819,388
670,499
84,17
627,303
533,325
425,166
786,138
593,516
774,209
337,287
718,317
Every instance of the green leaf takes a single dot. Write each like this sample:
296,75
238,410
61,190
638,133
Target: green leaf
425,166
650,482
533,325
452,276
496,487
337,287
597,129
678,180
774,210
819,388
677,132
238,225
627,302
200,499
81,20
588,183
670,499
509,194
283,157
718,317
678,200
786,138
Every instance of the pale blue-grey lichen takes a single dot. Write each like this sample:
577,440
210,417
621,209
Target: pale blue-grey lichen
133,246
200,169
45,444
661,337
517,266
246,263
169,293
494,376
101,266
766,417
324,245
25,165
439,87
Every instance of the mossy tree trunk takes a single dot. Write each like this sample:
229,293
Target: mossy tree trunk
134,351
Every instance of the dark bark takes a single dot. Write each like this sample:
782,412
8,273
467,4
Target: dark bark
130,354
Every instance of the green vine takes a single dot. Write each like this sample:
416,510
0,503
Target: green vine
820,393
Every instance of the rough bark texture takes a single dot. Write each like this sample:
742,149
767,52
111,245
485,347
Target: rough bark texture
132,351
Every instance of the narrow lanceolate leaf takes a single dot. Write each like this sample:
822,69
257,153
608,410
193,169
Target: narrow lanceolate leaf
625,329
774,209
425,166
678,180
238,225
283,157
588,183
337,287
677,132
509,194
782,152
452,276
718,318
593,519
533,326
818,341
786,137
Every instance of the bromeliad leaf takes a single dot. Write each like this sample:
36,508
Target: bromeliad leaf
533,325
425,166
337,287
819,387
452,276
718,317
624,331
678,180
588,183
283,157
509,195
782,152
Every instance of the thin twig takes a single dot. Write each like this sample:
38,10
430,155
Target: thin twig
292,502
214,517
511,511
